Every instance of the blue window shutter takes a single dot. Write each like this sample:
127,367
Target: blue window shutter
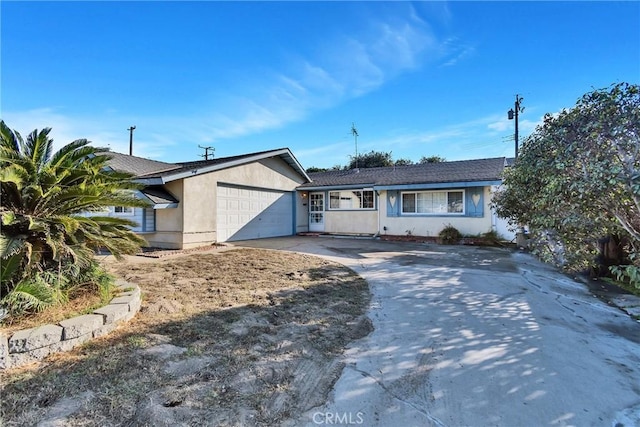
393,203
474,202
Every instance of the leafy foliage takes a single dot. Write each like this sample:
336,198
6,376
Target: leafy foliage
577,178
372,159
375,159
313,169
49,236
403,162
628,273
432,159
450,235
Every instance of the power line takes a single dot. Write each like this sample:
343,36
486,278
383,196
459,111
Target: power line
131,129
514,113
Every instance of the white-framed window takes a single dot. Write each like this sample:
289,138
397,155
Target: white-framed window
351,199
123,210
433,202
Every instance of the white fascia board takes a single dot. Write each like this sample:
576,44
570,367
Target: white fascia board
338,187
238,162
165,206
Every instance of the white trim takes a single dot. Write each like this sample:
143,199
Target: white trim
446,213
125,211
352,190
283,153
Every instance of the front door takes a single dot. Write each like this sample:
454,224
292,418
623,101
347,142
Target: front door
316,212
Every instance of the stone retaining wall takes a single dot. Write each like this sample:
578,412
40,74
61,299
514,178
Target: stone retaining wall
32,345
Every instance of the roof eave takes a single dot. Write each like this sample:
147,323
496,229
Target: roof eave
335,187
165,205
150,181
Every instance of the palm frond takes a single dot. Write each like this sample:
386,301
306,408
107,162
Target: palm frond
72,153
11,245
9,267
44,201
38,147
9,139
29,295
14,173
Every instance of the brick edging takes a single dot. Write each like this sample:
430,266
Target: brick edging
32,345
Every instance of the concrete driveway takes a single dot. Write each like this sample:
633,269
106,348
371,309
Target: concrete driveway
468,336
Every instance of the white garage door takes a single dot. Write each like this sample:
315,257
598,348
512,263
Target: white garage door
249,213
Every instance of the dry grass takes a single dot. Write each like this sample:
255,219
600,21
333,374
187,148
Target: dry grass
243,337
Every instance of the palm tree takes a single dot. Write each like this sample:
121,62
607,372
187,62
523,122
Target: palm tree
49,210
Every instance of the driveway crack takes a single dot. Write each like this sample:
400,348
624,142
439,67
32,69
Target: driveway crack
435,420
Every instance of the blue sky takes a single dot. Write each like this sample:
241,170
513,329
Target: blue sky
416,78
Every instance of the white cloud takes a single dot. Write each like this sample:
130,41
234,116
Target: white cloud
486,136
525,126
456,51
109,130
500,125
345,67
326,155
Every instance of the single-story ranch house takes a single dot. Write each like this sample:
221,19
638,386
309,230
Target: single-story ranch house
269,194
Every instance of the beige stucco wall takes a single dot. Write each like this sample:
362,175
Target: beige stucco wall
273,173
431,226
358,222
193,223
168,232
169,240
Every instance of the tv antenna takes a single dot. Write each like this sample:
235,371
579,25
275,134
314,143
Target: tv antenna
206,152
354,132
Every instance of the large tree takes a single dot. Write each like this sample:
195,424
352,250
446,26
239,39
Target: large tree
577,178
432,159
49,210
372,159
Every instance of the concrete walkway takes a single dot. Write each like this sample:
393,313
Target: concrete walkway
468,336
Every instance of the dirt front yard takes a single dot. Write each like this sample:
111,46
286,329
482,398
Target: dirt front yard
239,337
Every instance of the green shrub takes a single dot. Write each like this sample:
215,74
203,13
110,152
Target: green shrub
628,275
449,235
39,290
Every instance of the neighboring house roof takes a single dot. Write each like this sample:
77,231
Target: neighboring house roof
154,172
137,165
160,197
464,171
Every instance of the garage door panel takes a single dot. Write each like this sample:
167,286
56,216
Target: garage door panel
245,213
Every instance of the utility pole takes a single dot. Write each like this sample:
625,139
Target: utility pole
206,152
131,129
514,113
354,132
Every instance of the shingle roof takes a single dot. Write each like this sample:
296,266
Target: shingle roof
137,165
145,169
428,173
187,166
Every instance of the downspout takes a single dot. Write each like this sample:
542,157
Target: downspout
375,236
